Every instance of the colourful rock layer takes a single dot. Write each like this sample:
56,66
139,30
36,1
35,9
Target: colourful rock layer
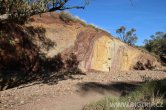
95,49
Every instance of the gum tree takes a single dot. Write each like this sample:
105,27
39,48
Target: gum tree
20,10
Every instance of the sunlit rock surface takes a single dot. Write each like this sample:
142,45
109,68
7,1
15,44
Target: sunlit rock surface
95,49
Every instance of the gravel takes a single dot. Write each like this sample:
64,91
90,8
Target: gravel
12,98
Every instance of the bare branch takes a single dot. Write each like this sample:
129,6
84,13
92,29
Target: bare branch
16,10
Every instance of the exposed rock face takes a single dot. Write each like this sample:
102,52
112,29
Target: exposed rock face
95,49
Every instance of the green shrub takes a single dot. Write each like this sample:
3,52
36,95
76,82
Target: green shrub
94,27
149,65
53,64
82,22
152,92
23,62
139,66
66,17
72,64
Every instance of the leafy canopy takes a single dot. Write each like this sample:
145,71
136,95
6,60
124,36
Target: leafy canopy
157,43
128,37
20,10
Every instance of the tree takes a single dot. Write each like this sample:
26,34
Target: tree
21,10
128,37
157,43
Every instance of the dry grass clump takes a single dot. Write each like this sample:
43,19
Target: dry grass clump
152,93
67,17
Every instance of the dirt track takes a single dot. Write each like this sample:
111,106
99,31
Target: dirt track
72,94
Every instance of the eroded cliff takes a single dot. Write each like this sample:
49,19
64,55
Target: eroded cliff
95,48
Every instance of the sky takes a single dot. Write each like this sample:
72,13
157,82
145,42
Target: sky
146,16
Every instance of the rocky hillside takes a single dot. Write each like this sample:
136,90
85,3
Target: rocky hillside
95,48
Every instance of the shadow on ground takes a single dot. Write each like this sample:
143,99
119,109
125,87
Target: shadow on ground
23,62
122,88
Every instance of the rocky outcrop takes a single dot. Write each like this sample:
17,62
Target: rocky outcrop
95,48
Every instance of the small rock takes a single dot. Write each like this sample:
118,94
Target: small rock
22,102
5,105
15,98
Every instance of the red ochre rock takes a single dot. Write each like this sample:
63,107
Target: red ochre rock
95,49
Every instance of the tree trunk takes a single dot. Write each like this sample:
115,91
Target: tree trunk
4,17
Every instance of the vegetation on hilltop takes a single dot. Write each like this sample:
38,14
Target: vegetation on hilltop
157,44
128,37
18,11
68,17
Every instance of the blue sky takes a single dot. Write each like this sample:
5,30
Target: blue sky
146,16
